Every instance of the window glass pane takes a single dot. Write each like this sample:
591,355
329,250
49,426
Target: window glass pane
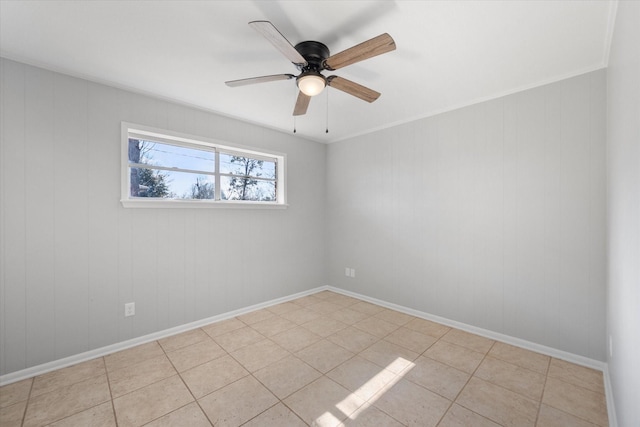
170,156
246,166
236,188
163,184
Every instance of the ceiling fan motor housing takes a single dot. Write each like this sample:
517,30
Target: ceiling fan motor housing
315,53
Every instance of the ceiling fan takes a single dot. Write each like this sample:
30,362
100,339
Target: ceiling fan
311,58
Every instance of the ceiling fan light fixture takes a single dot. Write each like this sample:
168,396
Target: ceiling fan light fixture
312,83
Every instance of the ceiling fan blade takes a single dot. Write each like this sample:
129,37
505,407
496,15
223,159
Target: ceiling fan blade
262,79
353,88
302,103
276,38
365,50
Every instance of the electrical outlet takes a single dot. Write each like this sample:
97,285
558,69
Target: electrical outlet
129,309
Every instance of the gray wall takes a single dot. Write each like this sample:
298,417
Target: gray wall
492,215
72,255
623,145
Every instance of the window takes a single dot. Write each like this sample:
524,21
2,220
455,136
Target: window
165,169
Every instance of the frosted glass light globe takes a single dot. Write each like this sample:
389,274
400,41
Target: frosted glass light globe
311,84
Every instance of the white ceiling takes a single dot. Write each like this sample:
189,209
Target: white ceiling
449,53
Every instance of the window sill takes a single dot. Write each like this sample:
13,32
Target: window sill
200,204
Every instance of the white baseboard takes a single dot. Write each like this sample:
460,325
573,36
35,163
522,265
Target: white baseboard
103,351
549,351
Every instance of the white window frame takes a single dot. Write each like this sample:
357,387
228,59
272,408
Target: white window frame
192,141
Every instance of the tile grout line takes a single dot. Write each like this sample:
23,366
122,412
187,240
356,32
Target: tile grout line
146,385
280,401
471,375
232,382
544,388
293,355
577,385
580,417
197,402
164,351
113,405
501,386
396,375
322,374
26,406
245,376
90,377
295,391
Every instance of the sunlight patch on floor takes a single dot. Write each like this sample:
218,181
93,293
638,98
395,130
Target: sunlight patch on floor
350,406
325,420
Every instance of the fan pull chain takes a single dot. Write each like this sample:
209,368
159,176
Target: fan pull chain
327,117
294,99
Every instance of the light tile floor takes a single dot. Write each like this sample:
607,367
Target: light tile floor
322,360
